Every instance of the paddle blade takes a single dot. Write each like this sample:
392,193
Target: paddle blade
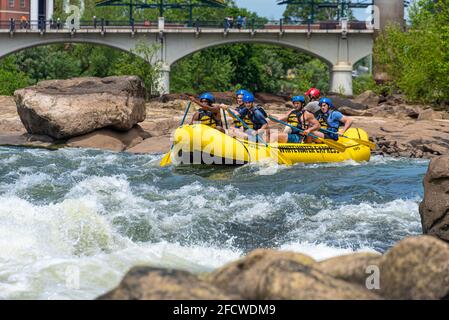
368,144
166,160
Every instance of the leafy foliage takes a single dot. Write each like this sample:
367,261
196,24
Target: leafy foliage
418,60
11,77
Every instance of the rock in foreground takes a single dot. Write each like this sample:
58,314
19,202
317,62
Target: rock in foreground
434,209
146,283
67,108
415,268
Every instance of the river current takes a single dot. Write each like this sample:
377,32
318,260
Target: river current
73,221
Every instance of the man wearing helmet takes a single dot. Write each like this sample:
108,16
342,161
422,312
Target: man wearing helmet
256,118
241,110
207,114
300,118
331,119
313,94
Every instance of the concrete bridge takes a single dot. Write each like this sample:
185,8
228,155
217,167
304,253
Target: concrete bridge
340,47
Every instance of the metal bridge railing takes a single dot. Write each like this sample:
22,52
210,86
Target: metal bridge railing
249,25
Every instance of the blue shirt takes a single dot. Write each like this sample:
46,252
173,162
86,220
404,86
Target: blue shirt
334,119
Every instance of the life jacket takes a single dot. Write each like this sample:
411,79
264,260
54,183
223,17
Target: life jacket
256,125
245,119
207,118
322,119
297,119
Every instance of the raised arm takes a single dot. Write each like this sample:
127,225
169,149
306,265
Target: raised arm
285,116
215,109
347,123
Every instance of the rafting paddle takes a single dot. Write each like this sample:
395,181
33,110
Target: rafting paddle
333,144
282,160
368,144
166,160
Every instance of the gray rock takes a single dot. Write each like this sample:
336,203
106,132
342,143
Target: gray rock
430,114
415,268
367,98
146,283
268,274
67,108
434,209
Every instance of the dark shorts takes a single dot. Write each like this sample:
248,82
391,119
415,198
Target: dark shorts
294,138
331,136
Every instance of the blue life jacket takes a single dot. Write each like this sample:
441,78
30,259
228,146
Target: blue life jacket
323,119
252,116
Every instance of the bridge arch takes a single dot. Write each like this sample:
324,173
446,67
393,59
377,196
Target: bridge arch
182,55
19,43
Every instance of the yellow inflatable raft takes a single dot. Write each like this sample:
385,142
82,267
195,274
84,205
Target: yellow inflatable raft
200,144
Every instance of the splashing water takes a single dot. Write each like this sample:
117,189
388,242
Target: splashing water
89,216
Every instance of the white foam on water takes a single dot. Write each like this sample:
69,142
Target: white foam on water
38,244
354,224
321,251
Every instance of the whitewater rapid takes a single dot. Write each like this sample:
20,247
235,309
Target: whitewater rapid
73,221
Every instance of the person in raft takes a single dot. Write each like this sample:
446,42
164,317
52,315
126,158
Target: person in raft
331,120
207,114
256,119
300,118
313,95
241,110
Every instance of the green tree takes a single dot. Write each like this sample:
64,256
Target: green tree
203,71
147,67
11,78
418,60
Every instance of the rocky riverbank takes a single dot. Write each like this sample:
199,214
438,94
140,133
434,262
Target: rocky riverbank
415,268
398,129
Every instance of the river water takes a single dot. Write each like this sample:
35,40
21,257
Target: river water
73,221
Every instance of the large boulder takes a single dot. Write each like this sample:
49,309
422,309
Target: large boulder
67,108
108,139
434,209
367,98
430,114
147,283
160,144
344,102
269,274
415,268
352,267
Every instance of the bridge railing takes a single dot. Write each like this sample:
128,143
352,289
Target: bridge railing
252,25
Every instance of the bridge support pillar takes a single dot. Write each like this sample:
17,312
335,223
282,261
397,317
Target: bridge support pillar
164,80
341,79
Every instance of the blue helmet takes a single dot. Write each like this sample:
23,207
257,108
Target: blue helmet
328,101
248,97
241,92
207,96
298,99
